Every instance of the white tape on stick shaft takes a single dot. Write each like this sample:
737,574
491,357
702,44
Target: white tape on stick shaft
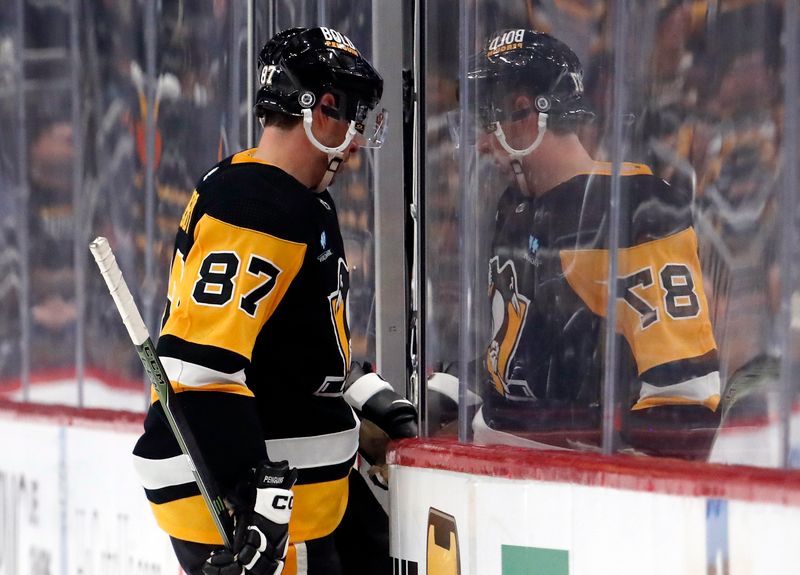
110,271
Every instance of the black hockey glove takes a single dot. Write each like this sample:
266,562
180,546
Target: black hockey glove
375,400
261,517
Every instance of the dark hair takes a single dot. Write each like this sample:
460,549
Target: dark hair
275,119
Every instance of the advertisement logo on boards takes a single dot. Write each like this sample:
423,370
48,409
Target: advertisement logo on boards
518,560
443,553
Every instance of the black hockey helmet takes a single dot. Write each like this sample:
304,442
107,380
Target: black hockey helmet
537,63
297,66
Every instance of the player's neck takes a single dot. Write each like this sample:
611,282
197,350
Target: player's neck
290,151
556,163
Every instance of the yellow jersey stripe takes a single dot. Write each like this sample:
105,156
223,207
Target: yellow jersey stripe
188,519
625,169
222,387
247,157
318,509
710,402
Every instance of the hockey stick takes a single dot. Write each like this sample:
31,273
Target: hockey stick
137,330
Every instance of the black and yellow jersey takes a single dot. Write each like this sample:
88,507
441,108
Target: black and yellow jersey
255,340
548,284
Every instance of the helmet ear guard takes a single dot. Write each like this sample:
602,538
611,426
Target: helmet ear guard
542,104
306,99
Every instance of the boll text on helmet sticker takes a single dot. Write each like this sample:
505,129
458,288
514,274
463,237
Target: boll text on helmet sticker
334,39
506,41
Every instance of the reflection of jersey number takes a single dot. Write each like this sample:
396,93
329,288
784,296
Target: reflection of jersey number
677,285
443,556
509,309
334,385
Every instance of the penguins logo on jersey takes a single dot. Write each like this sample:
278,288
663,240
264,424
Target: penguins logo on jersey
509,310
334,384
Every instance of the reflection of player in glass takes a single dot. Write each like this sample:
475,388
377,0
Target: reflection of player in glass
255,336
548,269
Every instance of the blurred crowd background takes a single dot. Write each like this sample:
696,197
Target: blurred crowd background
112,109
116,109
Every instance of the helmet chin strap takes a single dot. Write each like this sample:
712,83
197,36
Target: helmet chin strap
515,155
335,155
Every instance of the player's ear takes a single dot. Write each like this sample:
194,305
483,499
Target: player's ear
522,102
522,116
326,110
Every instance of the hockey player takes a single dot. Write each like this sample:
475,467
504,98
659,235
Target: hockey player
255,337
548,274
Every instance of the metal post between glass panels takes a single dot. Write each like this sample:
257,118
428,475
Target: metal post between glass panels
251,63
390,306
468,226
787,201
79,243
234,108
418,213
23,207
151,73
611,363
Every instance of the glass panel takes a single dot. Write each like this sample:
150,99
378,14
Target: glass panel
442,197
666,370
547,259
93,166
708,120
13,196
124,107
789,309
533,350
141,174
113,183
52,217
687,93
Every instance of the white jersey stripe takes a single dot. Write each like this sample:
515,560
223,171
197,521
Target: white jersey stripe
695,389
301,452
363,388
447,384
159,473
193,375
316,450
302,558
